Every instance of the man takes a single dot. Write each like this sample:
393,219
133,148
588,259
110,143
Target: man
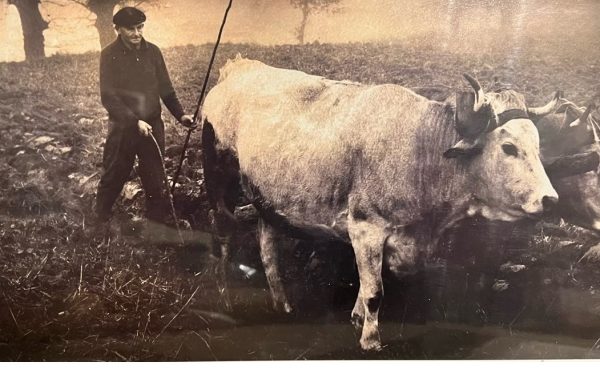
133,80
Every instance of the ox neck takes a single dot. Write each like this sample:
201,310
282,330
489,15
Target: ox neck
444,180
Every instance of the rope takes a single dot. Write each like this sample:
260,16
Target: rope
166,189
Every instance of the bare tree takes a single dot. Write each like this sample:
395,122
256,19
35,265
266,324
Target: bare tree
103,10
310,7
33,25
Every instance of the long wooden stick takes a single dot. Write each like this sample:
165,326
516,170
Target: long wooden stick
200,99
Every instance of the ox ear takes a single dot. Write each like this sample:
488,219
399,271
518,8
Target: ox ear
471,123
464,148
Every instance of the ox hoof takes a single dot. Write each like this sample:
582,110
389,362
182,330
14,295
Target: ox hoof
287,308
370,345
284,307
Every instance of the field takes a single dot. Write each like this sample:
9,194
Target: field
67,296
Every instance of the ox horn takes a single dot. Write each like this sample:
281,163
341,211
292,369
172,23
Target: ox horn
584,116
479,95
548,108
472,113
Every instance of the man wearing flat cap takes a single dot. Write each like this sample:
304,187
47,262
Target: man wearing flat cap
133,80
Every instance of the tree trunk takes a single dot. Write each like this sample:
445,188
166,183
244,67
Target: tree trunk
103,9
33,26
302,28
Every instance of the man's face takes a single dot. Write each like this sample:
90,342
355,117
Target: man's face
132,35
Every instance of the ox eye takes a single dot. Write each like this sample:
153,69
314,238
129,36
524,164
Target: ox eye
510,149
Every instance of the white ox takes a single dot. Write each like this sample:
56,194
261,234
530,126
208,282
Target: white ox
369,165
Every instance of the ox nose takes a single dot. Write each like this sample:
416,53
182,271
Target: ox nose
549,203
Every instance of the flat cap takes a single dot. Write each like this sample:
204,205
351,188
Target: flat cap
128,16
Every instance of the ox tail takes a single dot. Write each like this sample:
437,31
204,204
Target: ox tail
221,180
209,162
221,171
294,228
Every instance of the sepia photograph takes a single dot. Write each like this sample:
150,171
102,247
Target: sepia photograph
243,180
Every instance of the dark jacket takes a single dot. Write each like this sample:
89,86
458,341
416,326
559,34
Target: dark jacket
133,80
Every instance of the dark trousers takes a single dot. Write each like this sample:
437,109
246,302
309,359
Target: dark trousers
122,146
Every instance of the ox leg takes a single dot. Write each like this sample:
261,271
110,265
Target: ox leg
270,241
358,313
368,240
221,245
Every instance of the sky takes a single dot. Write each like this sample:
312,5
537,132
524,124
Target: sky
181,22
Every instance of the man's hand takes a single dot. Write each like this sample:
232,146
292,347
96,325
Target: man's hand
144,128
188,121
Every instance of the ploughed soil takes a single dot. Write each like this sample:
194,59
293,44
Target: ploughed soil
494,292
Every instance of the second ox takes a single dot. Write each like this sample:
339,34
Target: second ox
367,165
573,132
